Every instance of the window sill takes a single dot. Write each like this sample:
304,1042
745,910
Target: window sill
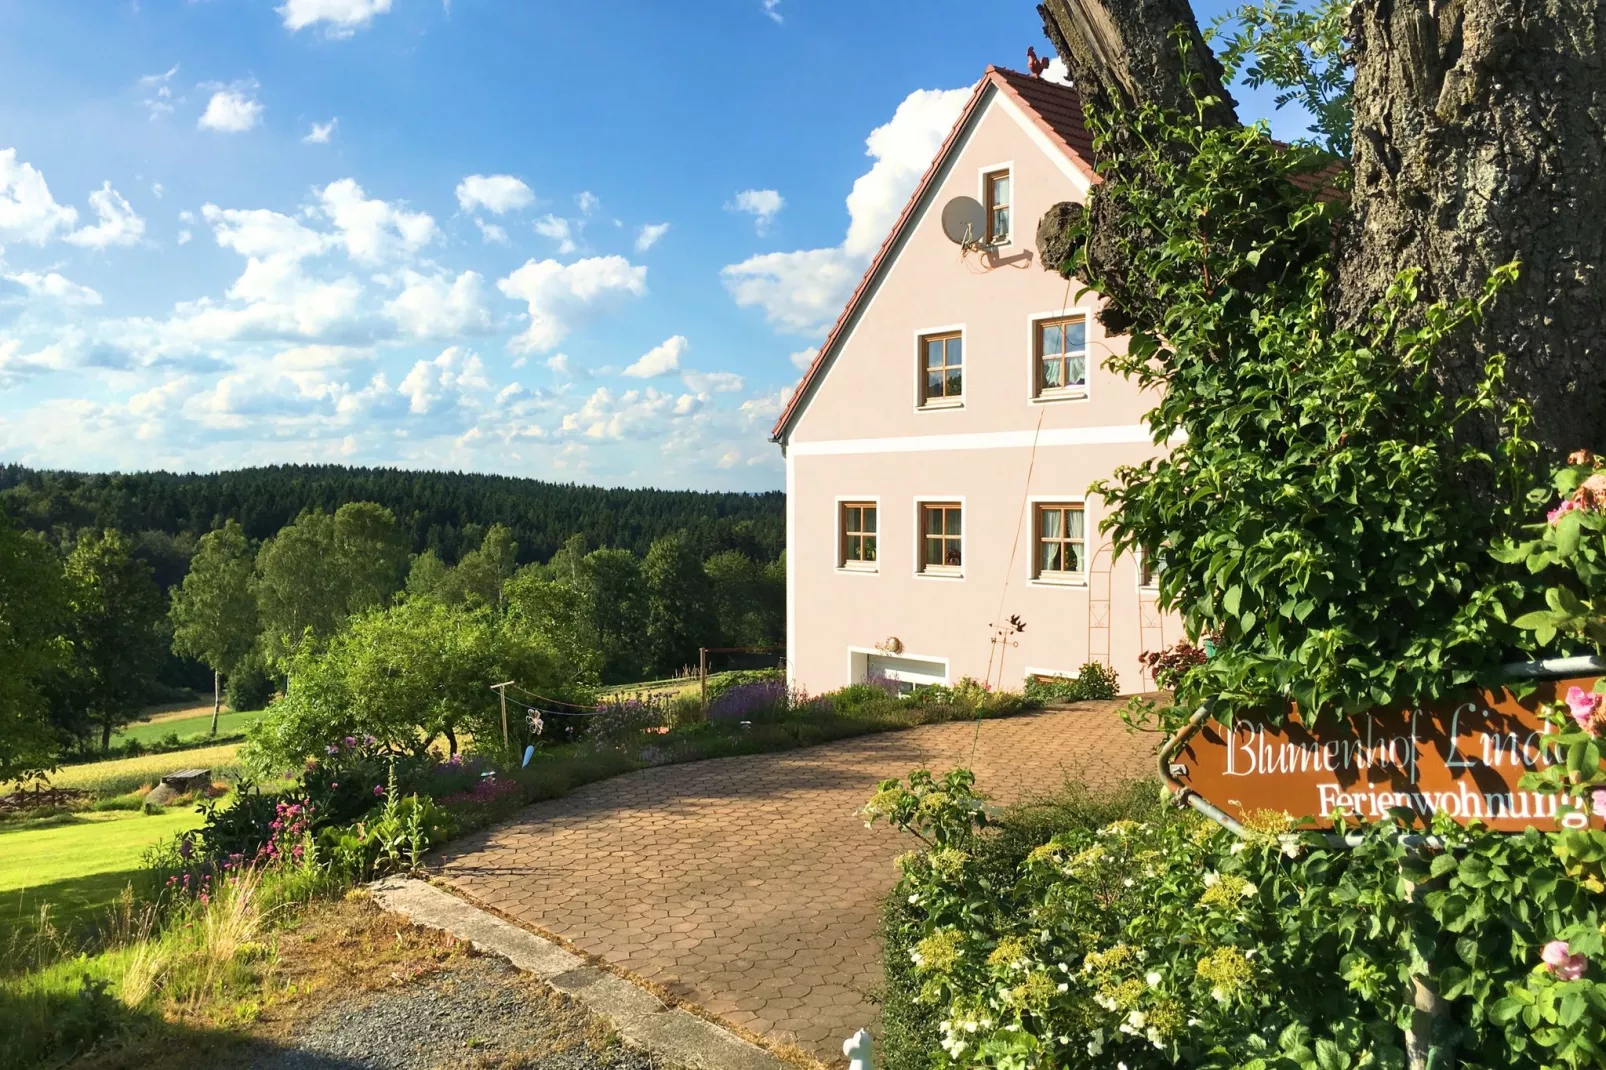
859,570
1045,396
1066,580
941,572
942,403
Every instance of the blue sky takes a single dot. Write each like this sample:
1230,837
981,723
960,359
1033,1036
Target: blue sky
574,241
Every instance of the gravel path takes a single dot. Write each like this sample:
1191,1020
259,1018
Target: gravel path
479,1014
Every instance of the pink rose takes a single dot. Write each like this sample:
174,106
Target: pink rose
379,789
1561,961
1597,799
1582,705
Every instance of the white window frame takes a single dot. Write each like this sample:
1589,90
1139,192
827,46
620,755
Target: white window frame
868,652
1075,581
857,568
940,572
941,404
1014,200
1037,397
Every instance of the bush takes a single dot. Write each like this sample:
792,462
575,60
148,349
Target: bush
764,698
1161,940
1094,681
249,687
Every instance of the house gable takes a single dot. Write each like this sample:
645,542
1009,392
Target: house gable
1050,117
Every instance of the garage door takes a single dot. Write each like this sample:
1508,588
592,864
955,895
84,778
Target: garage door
908,672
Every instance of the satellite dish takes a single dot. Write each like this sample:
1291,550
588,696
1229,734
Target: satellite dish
964,221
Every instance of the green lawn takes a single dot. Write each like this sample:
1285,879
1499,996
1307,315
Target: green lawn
79,866
228,724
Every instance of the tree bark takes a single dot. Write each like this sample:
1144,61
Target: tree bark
217,698
1480,139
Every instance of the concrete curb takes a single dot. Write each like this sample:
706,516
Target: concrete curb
637,1014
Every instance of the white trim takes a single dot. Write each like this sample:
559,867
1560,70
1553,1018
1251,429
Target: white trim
1048,148
940,404
870,651
945,572
1058,674
839,564
1107,435
1061,580
791,568
1008,166
1085,393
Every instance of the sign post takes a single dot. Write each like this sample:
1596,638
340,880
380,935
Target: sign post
1463,757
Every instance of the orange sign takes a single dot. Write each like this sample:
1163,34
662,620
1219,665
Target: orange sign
1463,758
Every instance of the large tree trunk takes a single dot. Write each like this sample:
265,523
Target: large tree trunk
1480,138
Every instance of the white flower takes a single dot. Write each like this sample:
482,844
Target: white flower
1136,1019
1153,977
1211,879
1127,882
1236,848
1291,849
1063,987
1249,891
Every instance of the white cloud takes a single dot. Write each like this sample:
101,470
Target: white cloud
587,202
712,382
490,232
804,357
160,86
559,231
343,17
772,9
560,296
232,110
55,287
119,224
441,307
762,204
261,233
494,193
158,190
28,213
374,231
321,132
803,291
449,375
184,237
661,359
635,414
648,236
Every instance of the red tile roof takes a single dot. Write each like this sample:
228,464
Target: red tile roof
1057,111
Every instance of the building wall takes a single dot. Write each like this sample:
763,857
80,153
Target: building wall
863,435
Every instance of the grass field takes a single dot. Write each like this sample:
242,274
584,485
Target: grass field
188,726
122,775
79,865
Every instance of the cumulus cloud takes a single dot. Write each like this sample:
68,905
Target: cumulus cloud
321,132
339,18
439,306
55,287
762,204
559,230
562,296
28,213
661,359
648,236
802,291
119,223
232,110
636,414
804,357
490,232
712,382
434,382
374,231
496,194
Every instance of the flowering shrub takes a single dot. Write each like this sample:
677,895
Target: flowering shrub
1095,680
751,701
1166,941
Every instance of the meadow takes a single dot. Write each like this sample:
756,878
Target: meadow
188,727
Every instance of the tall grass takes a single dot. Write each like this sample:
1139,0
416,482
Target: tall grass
122,775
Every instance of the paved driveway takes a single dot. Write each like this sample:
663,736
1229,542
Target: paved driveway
747,886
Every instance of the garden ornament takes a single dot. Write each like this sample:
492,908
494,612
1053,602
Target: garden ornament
857,1049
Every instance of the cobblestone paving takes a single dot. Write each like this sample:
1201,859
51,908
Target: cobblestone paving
747,886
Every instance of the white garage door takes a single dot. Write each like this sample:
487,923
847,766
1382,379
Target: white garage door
909,672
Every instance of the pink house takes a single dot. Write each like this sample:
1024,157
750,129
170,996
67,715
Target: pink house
940,449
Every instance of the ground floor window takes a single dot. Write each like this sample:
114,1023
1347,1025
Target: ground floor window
941,538
1061,542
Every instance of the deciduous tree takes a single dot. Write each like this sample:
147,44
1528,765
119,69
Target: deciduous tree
214,612
33,611
115,630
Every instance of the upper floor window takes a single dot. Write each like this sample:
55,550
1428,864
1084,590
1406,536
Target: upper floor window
858,535
996,193
1061,358
942,358
1149,568
941,538
1061,542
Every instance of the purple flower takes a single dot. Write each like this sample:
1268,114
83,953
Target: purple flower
1561,962
379,789
333,748
351,741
